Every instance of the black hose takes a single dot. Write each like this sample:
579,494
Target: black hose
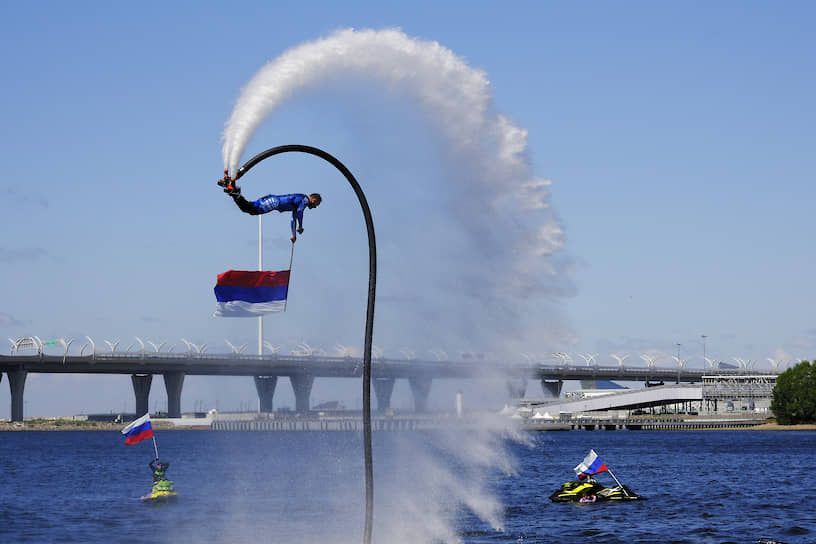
369,328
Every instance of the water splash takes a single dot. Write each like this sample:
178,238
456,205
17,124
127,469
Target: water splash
505,257
450,471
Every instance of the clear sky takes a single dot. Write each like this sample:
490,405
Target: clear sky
678,137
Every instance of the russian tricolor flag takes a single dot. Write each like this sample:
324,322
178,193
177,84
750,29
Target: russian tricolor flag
591,464
139,430
243,293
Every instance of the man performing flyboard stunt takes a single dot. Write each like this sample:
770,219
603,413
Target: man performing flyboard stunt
295,203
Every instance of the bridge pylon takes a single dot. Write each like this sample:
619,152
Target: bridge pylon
302,386
420,388
383,388
551,388
141,388
173,382
265,386
517,387
17,380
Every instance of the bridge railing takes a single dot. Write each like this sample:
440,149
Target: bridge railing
455,367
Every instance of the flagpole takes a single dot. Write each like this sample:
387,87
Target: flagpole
618,482
291,257
155,447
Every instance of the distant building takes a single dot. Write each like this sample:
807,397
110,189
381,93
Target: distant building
595,388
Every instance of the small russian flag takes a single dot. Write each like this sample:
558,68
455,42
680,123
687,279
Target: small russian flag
243,293
591,464
139,430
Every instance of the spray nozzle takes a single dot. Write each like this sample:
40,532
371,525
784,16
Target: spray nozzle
226,182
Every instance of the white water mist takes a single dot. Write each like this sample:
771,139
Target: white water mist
451,470
503,260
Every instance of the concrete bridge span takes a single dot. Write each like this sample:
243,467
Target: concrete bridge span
303,370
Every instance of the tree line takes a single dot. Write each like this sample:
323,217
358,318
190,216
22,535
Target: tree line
794,397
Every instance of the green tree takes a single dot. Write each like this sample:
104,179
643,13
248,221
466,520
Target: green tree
794,397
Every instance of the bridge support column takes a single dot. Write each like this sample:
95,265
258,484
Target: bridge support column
420,388
141,388
302,386
517,387
265,386
551,388
173,382
383,387
17,380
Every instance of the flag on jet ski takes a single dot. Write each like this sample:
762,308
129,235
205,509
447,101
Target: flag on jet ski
591,464
244,293
139,430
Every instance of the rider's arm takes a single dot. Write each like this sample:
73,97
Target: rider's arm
299,213
297,216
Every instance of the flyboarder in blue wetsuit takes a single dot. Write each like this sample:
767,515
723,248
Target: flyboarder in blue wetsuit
295,203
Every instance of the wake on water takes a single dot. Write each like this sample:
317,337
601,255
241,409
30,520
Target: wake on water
499,188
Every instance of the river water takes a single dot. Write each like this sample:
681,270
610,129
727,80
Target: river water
307,487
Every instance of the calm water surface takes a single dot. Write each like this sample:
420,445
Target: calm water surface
702,487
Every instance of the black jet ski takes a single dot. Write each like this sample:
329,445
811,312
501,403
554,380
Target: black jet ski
588,490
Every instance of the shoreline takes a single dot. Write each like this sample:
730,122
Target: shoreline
62,425
778,427
59,425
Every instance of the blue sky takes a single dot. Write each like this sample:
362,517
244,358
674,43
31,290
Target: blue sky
678,138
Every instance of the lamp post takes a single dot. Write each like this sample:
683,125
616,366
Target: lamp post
703,336
372,287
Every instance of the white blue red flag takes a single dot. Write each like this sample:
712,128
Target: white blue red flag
243,293
591,464
139,430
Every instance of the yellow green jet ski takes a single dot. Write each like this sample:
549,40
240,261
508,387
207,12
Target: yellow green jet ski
162,491
589,490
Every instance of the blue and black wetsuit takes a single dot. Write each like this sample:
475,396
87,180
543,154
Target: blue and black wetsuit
294,203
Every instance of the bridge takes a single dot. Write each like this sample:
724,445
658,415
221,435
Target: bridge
302,370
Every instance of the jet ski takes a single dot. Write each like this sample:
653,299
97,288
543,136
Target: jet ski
589,490
163,491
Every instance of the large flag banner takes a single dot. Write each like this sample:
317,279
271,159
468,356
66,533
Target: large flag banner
243,293
591,464
139,430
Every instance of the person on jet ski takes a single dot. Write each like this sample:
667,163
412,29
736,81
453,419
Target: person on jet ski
586,479
159,469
